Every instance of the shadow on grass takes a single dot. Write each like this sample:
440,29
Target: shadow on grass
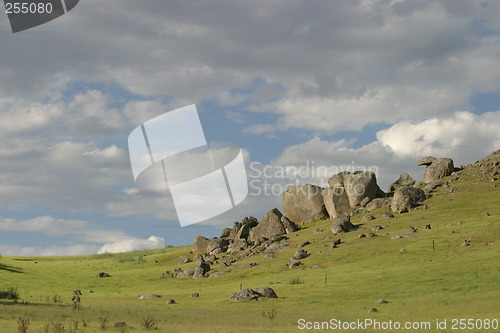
10,269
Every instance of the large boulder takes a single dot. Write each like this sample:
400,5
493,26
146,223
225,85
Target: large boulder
377,203
336,201
360,185
205,245
405,198
304,204
403,180
271,225
427,160
342,224
439,168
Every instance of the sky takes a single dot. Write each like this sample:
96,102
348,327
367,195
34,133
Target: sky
325,86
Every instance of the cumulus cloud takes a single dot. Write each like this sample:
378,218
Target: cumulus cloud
464,136
71,250
266,129
133,244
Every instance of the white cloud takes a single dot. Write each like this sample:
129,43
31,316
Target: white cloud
267,129
71,250
133,244
464,136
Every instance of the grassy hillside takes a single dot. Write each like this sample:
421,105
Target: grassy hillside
424,276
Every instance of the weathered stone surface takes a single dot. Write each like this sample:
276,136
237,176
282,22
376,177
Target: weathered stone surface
246,295
148,296
341,224
271,225
300,254
304,204
427,160
377,203
204,245
403,180
237,245
338,179
439,168
405,198
225,233
336,201
267,292
361,184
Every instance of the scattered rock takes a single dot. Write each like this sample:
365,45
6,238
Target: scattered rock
337,242
378,203
170,301
266,292
252,295
342,224
304,204
237,245
193,295
184,260
225,233
364,202
304,244
388,215
317,231
465,243
148,296
120,324
382,301
403,180
103,275
338,179
486,214
412,229
405,198
362,236
371,234
432,186
294,263
373,310
428,227
367,217
402,251
300,254
377,228
77,292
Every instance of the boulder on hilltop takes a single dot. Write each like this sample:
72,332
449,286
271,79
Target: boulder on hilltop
436,169
403,180
272,224
405,198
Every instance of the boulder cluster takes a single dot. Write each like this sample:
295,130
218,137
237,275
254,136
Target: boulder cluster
348,193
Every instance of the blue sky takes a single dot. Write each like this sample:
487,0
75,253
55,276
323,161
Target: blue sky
340,84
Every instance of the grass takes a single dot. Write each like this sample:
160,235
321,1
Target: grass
422,283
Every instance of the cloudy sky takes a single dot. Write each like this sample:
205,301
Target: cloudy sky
339,84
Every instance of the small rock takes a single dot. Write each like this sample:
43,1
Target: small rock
382,301
294,263
377,228
337,242
362,236
465,243
304,244
388,215
371,234
147,296
412,229
170,301
184,260
428,227
300,254
402,250
317,231
486,214
120,324
266,292
368,217
194,295
103,275
373,310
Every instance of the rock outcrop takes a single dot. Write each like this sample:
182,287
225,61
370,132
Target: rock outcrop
436,169
304,204
360,185
341,224
272,224
205,245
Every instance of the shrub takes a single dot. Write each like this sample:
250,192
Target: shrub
295,280
148,322
22,325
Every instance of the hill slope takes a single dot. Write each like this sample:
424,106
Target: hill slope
424,276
